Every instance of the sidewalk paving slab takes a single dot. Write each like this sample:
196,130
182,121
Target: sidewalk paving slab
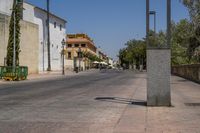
176,119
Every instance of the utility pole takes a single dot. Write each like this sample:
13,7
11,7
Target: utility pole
63,56
154,14
14,39
48,39
169,23
147,22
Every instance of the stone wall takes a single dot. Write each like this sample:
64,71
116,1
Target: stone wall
28,43
191,72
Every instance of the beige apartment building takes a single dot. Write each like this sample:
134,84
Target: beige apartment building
79,43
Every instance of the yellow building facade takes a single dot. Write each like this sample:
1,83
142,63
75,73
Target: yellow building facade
79,43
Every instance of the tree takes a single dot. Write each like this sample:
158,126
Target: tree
91,57
185,43
194,11
181,32
134,53
122,56
157,39
17,13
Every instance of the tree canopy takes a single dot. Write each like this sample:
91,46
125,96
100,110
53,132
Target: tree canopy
194,40
134,53
185,42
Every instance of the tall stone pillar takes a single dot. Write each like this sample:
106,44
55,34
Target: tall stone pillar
159,66
158,77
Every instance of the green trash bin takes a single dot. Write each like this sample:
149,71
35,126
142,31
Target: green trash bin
8,73
18,73
22,72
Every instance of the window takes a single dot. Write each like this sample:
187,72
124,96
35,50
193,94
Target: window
60,27
83,45
54,24
69,45
76,45
69,55
71,36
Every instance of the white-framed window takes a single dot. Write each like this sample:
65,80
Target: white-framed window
60,27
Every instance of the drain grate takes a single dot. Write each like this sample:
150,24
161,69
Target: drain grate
192,104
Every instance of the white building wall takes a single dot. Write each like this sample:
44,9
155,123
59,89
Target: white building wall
56,37
38,16
42,40
5,6
28,12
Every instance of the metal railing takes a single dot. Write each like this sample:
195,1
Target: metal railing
191,72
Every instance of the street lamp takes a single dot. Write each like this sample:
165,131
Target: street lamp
48,39
14,38
148,13
5,60
79,56
154,14
63,58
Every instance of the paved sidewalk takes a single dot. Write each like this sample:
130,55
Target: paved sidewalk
76,109
55,74
52,74
183,117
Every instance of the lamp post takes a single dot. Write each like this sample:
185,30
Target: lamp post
154,14
79,57
5,60
48,38
63,57
14,39
168,23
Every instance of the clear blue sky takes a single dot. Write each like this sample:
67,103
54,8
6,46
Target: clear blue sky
110,23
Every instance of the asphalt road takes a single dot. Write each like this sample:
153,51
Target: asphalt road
66,105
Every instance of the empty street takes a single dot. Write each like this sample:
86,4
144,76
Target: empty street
110,101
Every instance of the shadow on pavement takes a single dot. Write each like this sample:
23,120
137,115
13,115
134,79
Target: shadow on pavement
122,100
